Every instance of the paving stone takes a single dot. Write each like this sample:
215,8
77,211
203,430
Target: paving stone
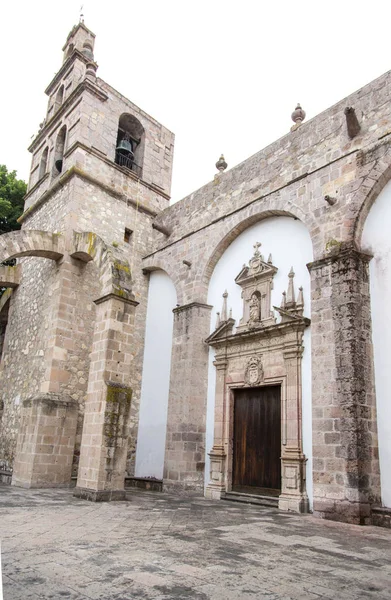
55,546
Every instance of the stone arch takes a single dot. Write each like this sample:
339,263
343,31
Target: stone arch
43,244
161,265
9,276
227,240
381,174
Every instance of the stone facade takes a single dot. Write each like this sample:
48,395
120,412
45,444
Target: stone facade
96,224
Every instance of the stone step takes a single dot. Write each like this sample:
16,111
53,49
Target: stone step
271,501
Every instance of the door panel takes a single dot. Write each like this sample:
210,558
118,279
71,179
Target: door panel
257,440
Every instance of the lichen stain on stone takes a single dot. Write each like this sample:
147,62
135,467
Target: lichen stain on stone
333,246
118,401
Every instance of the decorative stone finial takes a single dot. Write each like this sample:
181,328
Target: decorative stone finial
221,165
257,245
283,300
270,259
290,297
217,320
298,116
224,309
300,299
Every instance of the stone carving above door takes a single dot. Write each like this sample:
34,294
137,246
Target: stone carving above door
256,281
260,353
254,371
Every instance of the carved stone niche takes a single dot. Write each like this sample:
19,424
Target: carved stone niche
256,281
261,352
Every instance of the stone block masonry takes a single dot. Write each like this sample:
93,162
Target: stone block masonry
46,442
185,441
346,466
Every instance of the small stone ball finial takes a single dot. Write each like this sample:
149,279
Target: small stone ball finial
221,165
298,114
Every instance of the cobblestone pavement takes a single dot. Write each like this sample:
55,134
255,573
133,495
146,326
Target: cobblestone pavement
164,547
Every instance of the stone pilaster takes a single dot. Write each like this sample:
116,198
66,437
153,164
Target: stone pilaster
346,469
106,419
186,421
218,453
293,493
46,442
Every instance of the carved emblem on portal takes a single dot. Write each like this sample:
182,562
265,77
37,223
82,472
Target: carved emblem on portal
254,371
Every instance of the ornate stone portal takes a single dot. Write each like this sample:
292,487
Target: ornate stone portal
261,352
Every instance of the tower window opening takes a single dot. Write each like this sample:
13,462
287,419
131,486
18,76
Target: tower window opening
130,144
59,151
127,235
43,163
59,98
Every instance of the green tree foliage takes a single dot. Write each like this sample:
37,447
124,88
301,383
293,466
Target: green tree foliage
12,192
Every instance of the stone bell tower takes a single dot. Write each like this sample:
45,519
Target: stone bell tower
72,354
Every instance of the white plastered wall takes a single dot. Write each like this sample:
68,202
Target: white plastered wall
156,377
290,244
376,239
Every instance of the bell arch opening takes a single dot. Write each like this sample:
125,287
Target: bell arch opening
59,151
43,163
129,150
59,98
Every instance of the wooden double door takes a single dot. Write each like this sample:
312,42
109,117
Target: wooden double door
257,441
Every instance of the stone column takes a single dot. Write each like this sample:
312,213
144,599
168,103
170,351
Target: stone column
345,451
46,442
293,492
106,427
218,453
186,420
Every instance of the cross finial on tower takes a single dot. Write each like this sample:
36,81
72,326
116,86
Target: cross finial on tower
257,245
81,19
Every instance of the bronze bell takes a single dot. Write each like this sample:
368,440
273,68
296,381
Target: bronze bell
125,148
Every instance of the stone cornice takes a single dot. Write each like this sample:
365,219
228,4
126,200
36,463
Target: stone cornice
85,85
122,170
75,171
114,296
341,251
191,305
273,331
36,186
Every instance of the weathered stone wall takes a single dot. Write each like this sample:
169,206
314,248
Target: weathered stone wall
346,467
296,172
108,216
22,366
186,420
292,177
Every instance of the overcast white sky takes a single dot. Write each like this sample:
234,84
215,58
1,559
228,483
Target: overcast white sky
223,75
